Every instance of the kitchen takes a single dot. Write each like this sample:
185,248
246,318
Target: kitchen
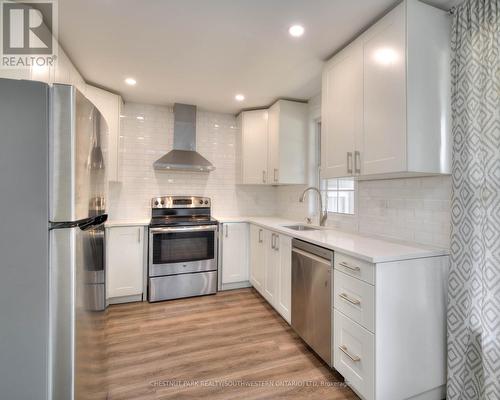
211,220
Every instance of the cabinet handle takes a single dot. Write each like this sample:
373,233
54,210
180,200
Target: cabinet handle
346,297
344,350
275,175
357,162
351,267
277,243
263,176
139,235
260,235
272,241
349,162
227,229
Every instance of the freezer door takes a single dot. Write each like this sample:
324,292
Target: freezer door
77,314
77,172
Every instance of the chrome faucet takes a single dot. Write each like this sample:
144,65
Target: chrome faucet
323,213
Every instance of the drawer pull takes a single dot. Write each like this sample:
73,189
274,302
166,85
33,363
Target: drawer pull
346,352
351,267
346,297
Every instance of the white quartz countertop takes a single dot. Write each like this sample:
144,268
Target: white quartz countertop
127,222
369,248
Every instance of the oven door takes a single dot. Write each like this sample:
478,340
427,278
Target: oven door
180,250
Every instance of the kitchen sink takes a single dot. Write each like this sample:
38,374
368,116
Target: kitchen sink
301,227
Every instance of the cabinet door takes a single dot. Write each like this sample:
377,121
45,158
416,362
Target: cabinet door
271,241
288,127
273,163
61,73
285,277
234,252
109,105
125,261
384,54
257,258
254,147
342,111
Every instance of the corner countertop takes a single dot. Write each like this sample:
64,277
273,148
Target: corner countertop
127,222
369,248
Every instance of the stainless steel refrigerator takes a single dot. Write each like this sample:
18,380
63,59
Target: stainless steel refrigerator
52,214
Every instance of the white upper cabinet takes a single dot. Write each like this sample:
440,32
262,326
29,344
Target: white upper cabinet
342,111
254,134
273,146
110,106
386,98
384,88
287,142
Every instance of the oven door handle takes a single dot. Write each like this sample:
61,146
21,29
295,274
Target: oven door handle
201,228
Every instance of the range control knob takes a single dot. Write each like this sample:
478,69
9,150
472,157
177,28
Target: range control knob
201,201
156,202
206,201
162,202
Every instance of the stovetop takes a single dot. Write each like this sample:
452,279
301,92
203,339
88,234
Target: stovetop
181,211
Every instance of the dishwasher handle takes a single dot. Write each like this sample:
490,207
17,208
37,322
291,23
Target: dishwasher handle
311,256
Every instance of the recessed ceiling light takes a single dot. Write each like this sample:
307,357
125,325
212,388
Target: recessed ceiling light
140,118
296,30
239,97
130,81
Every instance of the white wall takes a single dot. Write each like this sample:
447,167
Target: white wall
144,141
416,209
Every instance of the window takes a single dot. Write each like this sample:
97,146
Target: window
339,195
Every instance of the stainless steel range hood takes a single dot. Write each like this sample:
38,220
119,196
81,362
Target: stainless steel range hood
184,156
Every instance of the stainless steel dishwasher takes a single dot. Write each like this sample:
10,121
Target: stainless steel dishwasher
312,277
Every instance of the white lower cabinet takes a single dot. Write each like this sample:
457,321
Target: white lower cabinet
354,354
389,327
234,255
354,298
257,258
271,268
125,261
284,299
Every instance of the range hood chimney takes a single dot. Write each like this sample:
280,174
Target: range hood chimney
184,156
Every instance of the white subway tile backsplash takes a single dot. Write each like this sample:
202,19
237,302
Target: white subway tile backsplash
145,140
415,209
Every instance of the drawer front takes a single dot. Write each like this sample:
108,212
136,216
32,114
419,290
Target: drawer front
354,298
354,354
183,285
355,267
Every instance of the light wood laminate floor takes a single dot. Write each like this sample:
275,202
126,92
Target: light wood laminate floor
232,345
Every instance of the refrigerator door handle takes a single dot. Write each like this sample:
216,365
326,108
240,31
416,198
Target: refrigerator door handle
83,224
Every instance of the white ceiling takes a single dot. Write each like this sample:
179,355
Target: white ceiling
205,51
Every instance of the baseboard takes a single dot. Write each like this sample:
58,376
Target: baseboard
124,299
438,393
235,285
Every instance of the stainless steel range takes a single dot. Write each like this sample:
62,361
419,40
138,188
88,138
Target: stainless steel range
182,248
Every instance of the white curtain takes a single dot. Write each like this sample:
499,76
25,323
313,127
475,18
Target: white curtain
474,283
